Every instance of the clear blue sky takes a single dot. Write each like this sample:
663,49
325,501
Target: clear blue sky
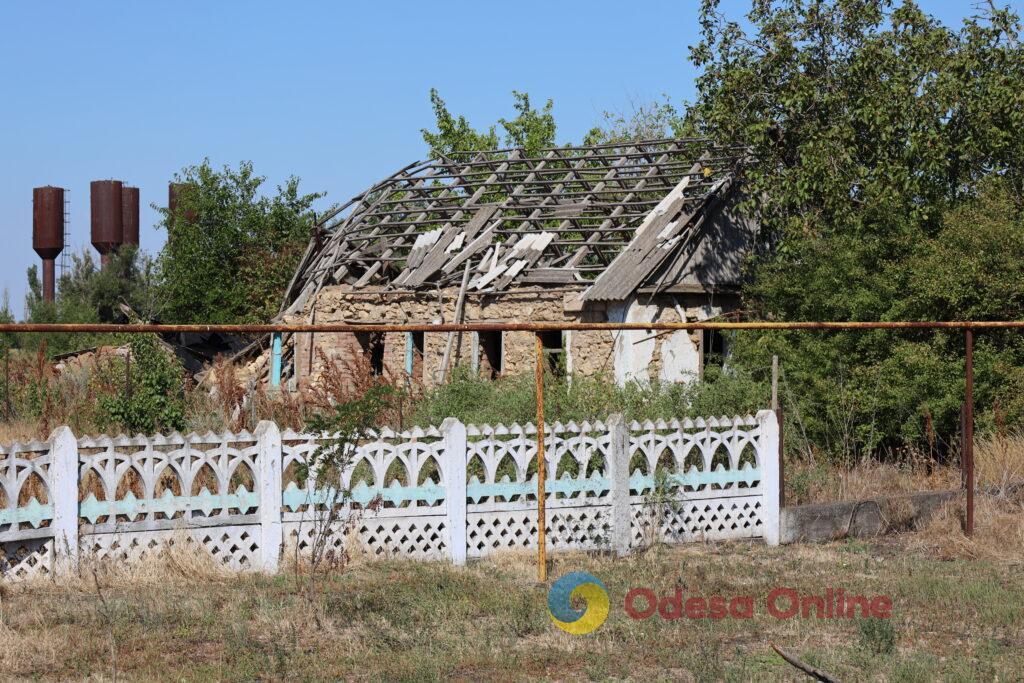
332,92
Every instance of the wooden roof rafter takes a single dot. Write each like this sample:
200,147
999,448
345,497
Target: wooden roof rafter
560,215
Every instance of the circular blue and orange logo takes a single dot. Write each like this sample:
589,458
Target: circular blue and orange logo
580,585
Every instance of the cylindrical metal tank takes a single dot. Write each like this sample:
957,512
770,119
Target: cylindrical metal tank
175,192
48,221
172,198
107,216
48,232
130,215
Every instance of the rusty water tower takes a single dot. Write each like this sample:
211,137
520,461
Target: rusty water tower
107,208
130,215
172,197
175,191
48,232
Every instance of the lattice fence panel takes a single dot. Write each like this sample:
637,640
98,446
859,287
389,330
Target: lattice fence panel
568,528
388,470
423,537
234,547
26,499
432,493
710,519
26,559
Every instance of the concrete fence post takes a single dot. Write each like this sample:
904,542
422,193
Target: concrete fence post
64,498
269,458
618,468
454,434
768,462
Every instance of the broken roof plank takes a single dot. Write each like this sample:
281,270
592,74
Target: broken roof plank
525,253
440,252
651,245
414,278
372,270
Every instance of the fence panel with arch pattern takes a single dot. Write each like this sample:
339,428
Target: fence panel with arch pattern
450,492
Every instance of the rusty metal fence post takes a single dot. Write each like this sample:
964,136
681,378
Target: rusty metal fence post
968,449
777,407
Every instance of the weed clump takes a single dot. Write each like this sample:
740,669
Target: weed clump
877,636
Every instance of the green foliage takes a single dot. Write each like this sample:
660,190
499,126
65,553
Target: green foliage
657,119
8,340
872,127
90,294
513,398
348,422
231,251
531,129
156,402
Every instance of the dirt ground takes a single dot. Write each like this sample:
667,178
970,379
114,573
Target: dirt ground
954,616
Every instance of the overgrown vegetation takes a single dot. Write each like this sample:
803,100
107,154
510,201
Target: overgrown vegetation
230,249
153,398
347,423
531,129
889,188
88,294
514,398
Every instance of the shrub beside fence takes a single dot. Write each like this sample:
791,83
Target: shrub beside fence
451,492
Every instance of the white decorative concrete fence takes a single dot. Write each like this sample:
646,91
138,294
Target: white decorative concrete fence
452,492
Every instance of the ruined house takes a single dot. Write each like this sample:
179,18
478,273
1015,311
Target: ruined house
636,231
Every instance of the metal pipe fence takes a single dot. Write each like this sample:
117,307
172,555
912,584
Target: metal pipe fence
968,328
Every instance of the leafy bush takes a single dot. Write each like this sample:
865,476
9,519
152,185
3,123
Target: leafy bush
861,392
887,189
156,401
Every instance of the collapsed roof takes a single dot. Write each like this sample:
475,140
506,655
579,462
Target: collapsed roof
610,219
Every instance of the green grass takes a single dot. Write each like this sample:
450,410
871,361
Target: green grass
403,620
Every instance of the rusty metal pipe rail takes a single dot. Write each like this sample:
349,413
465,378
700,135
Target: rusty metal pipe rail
269,328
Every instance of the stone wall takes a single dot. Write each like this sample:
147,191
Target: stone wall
626,355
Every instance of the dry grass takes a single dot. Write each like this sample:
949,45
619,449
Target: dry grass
867,479
999,464
403,620
998,531
999,461
999,511
22,430
999,507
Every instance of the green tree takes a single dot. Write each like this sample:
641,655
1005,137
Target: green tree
90,294
650,121
870,125
230,250
531,129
